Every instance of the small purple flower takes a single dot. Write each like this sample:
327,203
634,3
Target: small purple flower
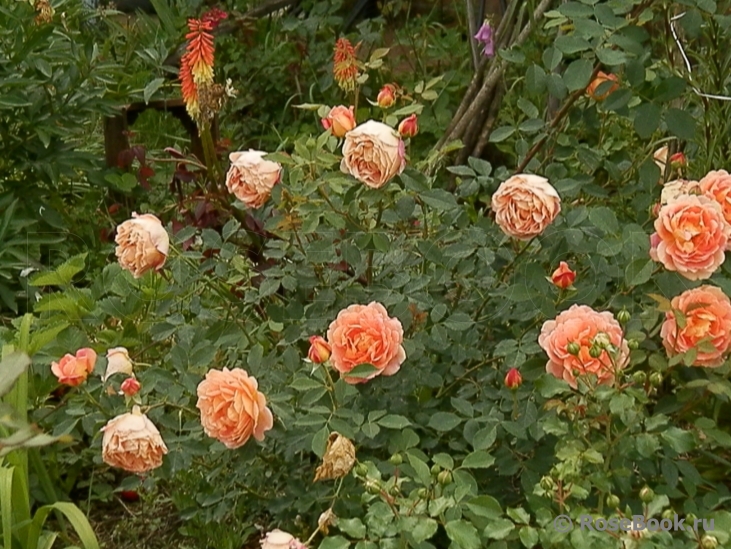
485,36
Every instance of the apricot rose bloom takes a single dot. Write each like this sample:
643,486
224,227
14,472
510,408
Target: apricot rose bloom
585,327
133,443
251,178
142,244
692,236
73,370
340,120
232,409
365,334
716,185
373,153
707,313
525,205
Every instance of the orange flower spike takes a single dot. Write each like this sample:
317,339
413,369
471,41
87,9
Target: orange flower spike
345,64
200,50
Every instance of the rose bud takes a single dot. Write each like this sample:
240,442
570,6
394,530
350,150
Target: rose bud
600,79
409,127
386,97
319,350
340,120
513,379
130,387
130,495
678,161
563,277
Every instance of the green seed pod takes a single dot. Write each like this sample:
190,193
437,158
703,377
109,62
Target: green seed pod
435,469
639,377
612,501
633,344
647,495
547,484
655,379
624,316
396,459
444,478
573,348
709,542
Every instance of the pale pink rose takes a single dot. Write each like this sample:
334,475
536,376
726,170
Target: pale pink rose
672,190
251,178
707,314
117,362
365,334
133,443
277,539
693,236
373,153
142,244
716,185
232,409
340,120
661,159
585,327
525,205
74,369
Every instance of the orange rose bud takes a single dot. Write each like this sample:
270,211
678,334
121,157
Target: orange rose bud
319,350
409,127
678,160
513,379
598,81
386,96
130,386
340,120
563,277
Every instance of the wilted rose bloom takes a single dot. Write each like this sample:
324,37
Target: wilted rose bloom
130,386
563,277
525,205
581,325
278,539
73,370
692,236
486,37
319,350
340,120
600,79
409,126
677,188
513,379
716,185
118,362
142,244
338,460
373,153
251,178
707,317
232,409
365,334
386,97
133,443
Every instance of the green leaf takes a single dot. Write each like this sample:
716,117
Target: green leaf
528,537
679,440
334,542
11,368
638,272
444,421
63,275
519,515
354,527
151,88
485,506
479,459
362,371
578,74
463,534
605,219
74,515
459,322
501,134
647,119
394,421
484,438
570,44
319,441
499,528
439,199
419,528
680,123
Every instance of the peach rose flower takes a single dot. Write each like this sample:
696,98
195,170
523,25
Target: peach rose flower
707,313
525,205
373,153
716,185
365,334
583,326
672,190
74,369
133,443
232,409
340,120
251,178
117,362
142,244
278,539
692,236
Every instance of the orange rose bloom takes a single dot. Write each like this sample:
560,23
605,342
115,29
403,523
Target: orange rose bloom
600,78
365,334
232,409
525,205
340,120
707,312
133,443
251,178
692,236
73,370
142,244
717,186
581,325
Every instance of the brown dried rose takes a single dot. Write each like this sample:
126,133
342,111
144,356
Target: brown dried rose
338,460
